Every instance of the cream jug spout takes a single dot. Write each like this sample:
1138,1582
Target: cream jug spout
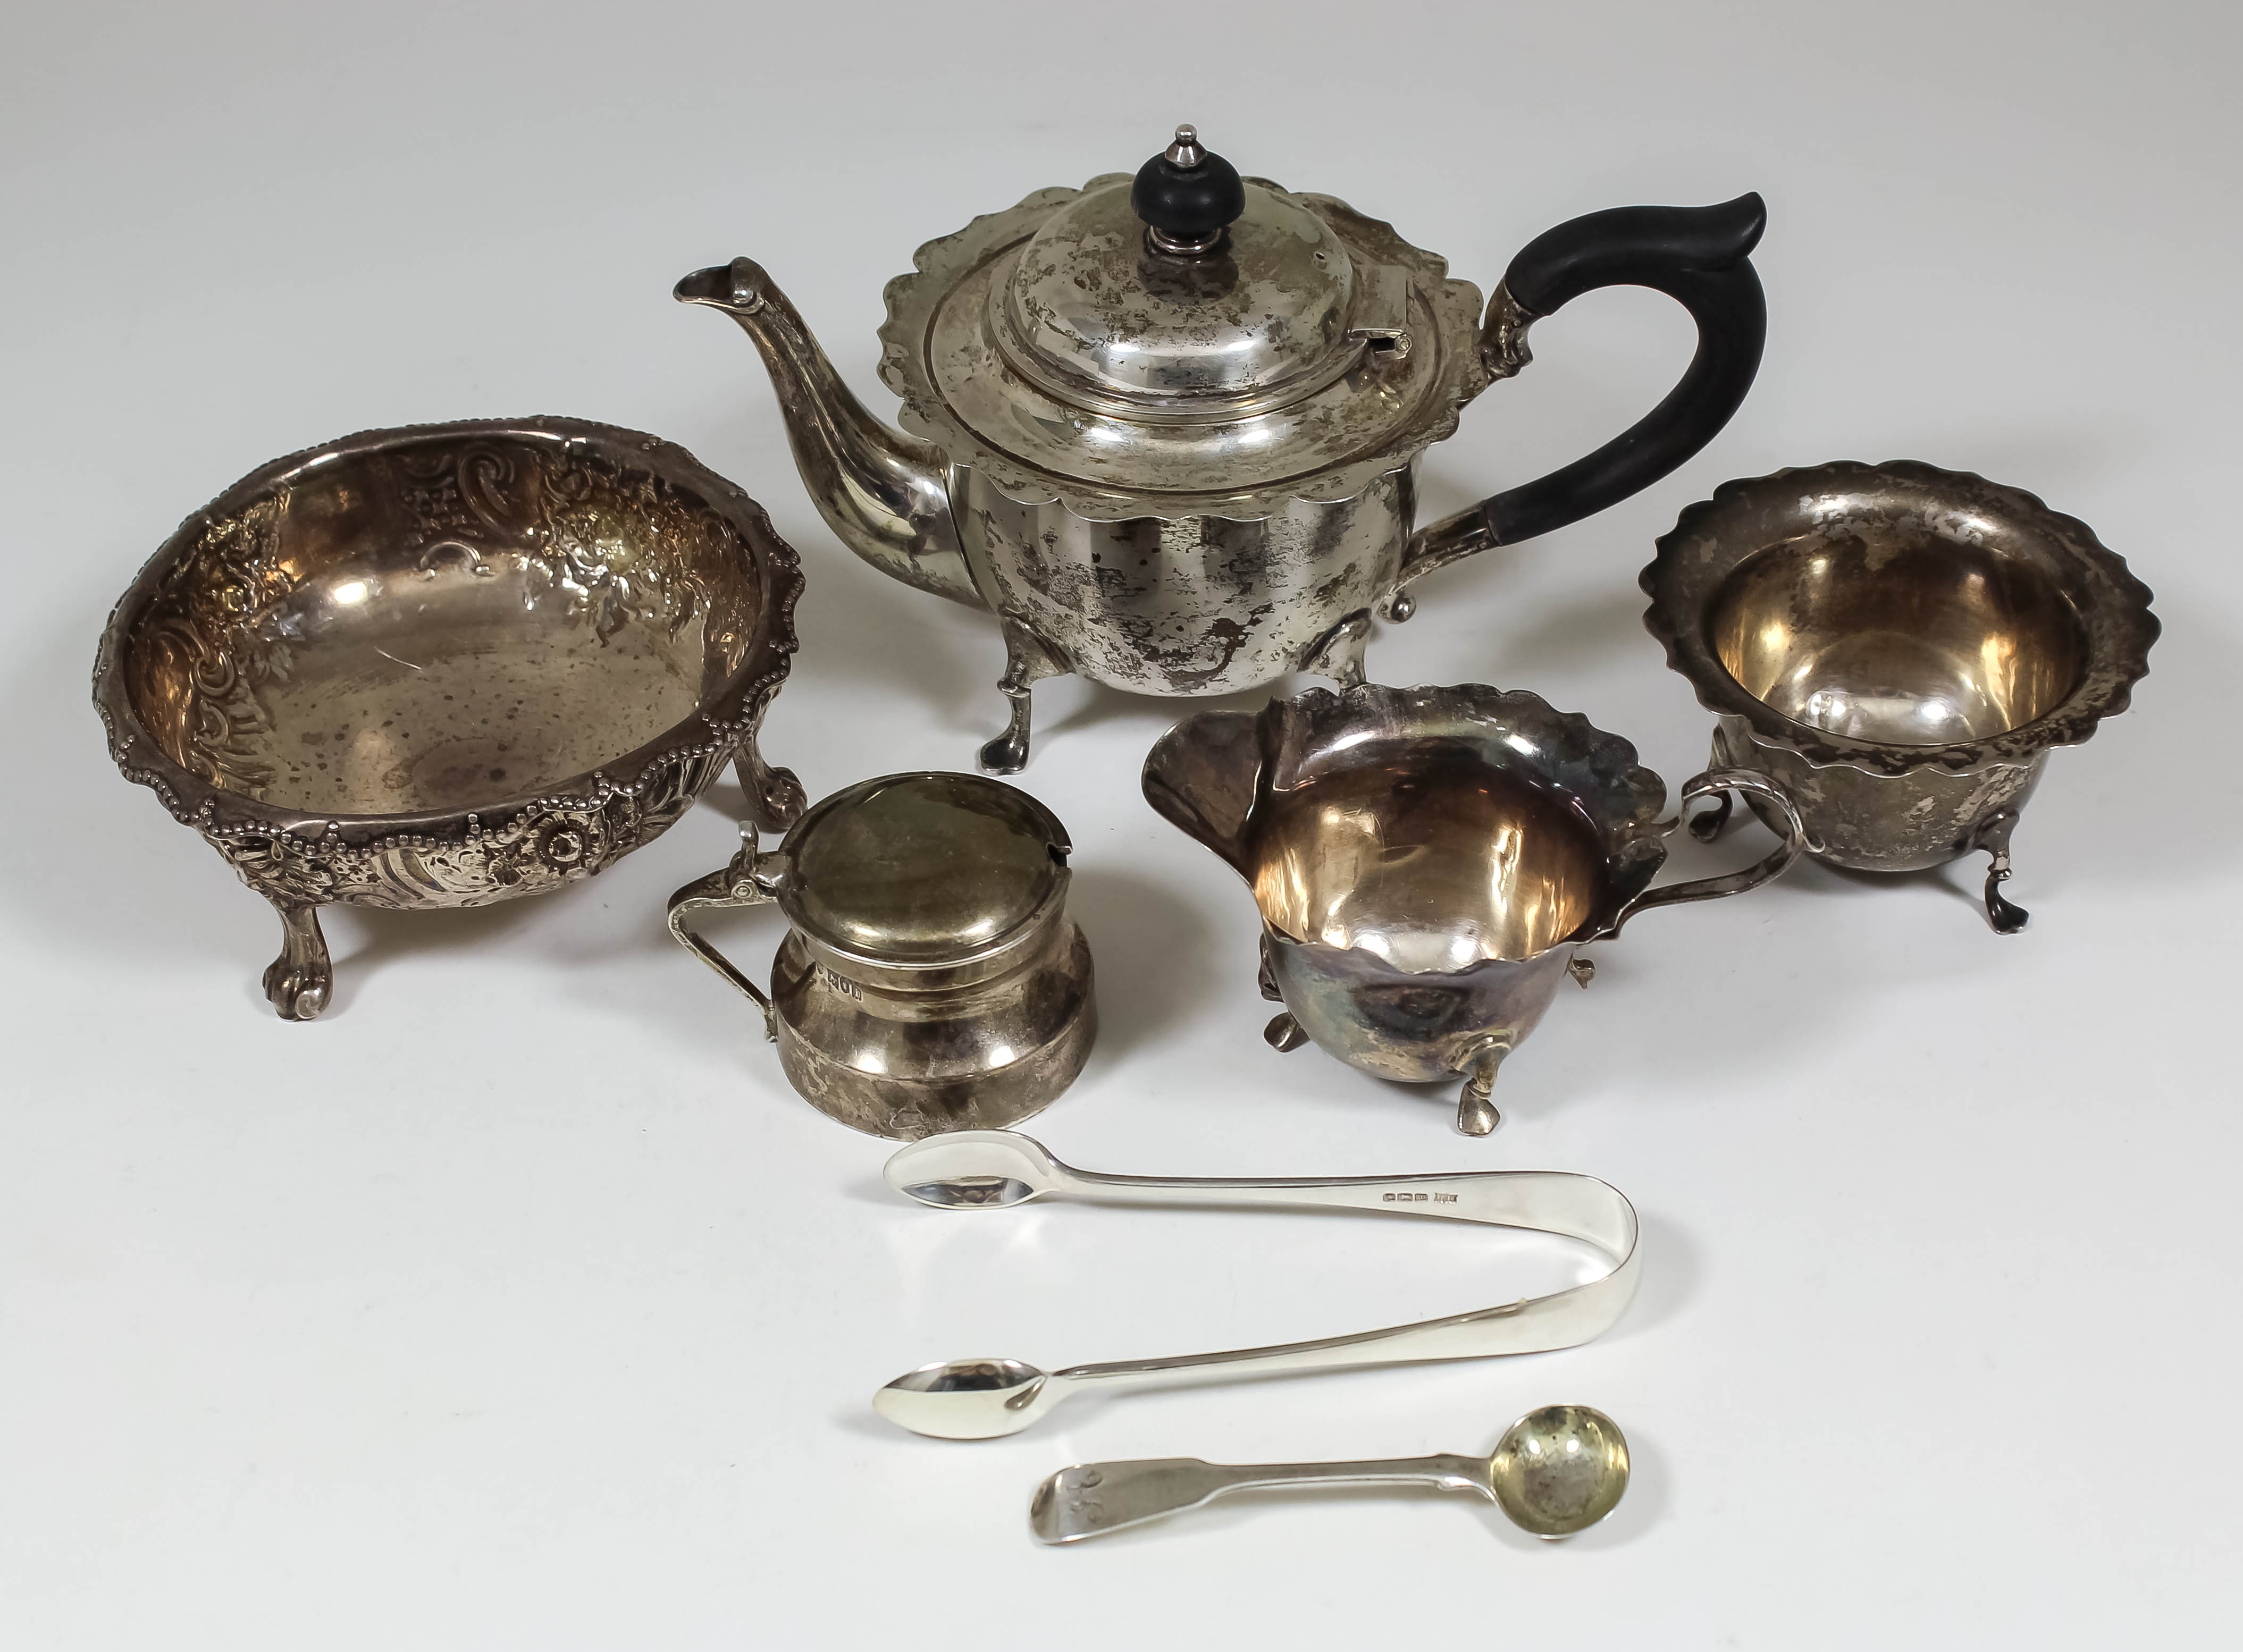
1203,775
885,493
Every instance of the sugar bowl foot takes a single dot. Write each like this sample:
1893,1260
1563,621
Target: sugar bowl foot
300,981
2006,916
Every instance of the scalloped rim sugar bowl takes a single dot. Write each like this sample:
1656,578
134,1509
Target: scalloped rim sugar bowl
1428,861
1895,649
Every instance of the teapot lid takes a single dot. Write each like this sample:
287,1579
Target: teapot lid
922,868
1190,288
1180,342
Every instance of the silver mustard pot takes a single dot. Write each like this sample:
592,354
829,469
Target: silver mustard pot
932,979
1166,427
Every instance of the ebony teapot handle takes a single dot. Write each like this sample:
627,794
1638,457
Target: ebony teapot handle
1699,256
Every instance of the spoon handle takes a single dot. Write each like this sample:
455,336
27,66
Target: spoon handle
1092,1498
1548,1201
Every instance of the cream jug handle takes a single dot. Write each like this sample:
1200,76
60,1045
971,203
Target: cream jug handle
1716,782
742,882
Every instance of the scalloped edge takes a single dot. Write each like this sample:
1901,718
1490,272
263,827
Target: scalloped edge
938,264
2118,649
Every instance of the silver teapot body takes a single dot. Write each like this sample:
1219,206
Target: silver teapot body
1190,605
1178,457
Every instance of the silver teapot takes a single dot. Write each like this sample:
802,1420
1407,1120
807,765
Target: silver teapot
1166,427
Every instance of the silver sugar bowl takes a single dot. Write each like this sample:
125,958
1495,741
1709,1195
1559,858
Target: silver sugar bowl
1428,862
1896,649
932,979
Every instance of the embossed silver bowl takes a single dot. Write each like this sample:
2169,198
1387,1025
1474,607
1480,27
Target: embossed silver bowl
448,665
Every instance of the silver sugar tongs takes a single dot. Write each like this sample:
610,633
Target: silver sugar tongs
992,1169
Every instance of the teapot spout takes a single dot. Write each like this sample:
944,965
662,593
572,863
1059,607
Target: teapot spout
885,493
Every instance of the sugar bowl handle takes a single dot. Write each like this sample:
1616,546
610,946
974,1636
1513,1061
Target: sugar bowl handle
1717,784
751,879
1699,256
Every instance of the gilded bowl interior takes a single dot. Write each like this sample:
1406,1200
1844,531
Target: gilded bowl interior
1433,861
1891,633
441,622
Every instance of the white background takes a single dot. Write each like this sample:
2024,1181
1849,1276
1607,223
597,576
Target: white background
520,1304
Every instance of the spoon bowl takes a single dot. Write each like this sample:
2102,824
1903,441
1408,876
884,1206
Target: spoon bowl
1560,1470
974,1169
1555,1471
968,1399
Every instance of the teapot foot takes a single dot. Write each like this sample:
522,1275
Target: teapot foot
1008,753
298,983
2005,915
1338,653
1028,661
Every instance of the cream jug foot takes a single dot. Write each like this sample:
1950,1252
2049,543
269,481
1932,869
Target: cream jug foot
1283,1034
1476,1110
1028,661
300,981
2006,916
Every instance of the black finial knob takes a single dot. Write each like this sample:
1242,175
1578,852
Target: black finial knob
1186,196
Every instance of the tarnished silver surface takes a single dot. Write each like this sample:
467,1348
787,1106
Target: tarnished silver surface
1427,862
1896,649
932,979
1175,471
1175,545
448,665
990,1170
1556,1470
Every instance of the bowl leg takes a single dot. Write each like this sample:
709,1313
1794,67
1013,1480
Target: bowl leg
300,981
1476,1110
775,798
2006,916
